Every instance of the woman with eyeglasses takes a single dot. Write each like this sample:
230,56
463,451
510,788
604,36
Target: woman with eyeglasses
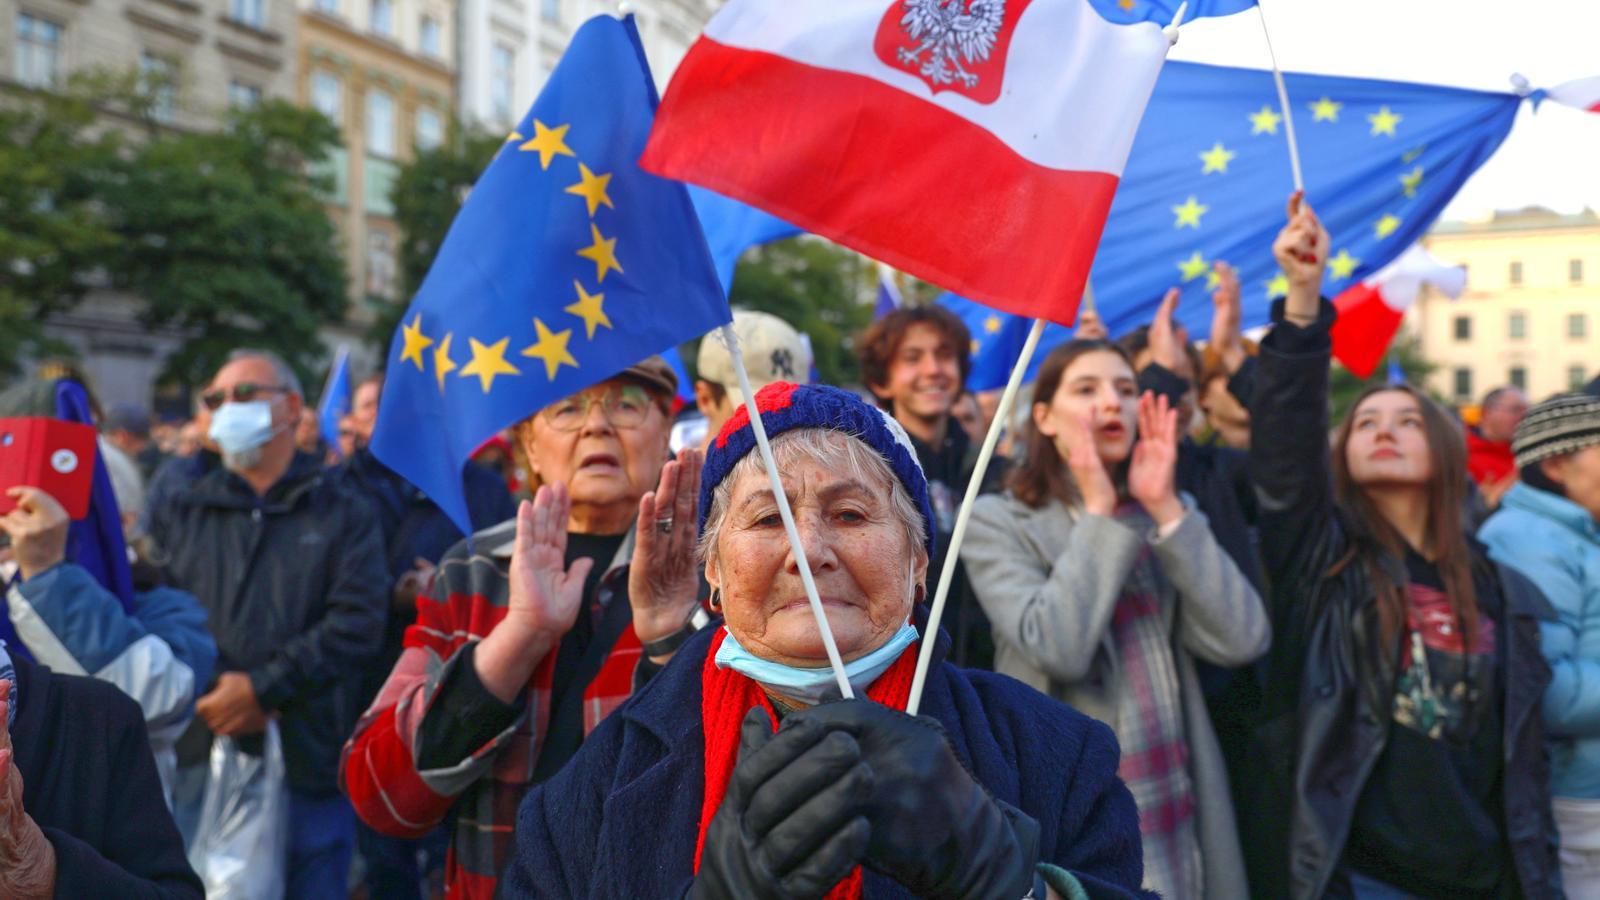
508,667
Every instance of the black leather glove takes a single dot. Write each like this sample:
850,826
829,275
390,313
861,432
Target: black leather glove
934,828
792,823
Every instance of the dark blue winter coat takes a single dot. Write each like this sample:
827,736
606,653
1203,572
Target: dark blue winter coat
622,818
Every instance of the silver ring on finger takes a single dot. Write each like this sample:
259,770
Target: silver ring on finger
664,525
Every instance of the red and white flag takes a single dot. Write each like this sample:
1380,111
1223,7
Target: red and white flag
975,144
1583,93
1370,312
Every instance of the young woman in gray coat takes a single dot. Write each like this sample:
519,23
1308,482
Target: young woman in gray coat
1102,583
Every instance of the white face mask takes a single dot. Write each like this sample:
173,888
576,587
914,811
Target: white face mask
241,430
813,686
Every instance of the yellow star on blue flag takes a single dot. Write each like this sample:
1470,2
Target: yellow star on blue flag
494,334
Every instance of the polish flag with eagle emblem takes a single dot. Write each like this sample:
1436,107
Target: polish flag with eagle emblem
976,144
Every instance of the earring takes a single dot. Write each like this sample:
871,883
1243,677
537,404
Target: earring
716,600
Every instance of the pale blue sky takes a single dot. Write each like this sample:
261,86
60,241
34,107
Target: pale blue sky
1552,158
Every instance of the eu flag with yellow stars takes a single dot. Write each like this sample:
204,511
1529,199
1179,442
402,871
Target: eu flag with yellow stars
997,340
1164,11
566,265
1209,175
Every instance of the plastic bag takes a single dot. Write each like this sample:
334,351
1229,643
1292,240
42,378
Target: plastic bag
241,841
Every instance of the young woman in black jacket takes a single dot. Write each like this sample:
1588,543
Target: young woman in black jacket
1401,750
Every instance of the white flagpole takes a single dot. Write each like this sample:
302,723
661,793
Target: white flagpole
731,341
1283,101
952,553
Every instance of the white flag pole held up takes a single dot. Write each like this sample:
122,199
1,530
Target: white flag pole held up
1002,417
1283,101
731,341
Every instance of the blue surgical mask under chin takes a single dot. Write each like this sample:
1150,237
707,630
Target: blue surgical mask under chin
813,686
241,427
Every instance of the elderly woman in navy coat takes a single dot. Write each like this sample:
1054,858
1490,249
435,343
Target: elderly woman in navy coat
729,776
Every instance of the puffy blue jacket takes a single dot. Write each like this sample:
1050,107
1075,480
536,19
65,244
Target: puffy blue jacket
1556,543
161,655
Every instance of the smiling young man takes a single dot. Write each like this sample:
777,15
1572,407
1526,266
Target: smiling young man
915,362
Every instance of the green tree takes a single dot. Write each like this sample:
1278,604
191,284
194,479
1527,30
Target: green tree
54,237
1344,386
225,237
426,195
817,287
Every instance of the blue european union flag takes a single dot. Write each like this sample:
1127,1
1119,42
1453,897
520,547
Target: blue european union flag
997,340
1163,11
566,265
1209,174
732,227
335,401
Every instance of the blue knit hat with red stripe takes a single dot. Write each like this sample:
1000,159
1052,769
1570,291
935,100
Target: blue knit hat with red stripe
785,407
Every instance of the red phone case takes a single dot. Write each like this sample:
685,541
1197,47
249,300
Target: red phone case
54,456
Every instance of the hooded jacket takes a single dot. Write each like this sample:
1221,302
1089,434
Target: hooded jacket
1556,543
297,592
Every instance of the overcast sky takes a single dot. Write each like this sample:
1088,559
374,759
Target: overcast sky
1551,158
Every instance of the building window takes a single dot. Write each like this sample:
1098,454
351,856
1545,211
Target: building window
502,78
1516,274
327,95
1575,271
1577,326
377,186
1517,326
430,129
1518,376
380,123
380,264
243,95
550,10
1577,376
248,12
159,76
1463,328
428,37
332,177
331,7
1463,384
38,59
381,19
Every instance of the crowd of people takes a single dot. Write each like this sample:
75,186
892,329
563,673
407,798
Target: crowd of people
1201,640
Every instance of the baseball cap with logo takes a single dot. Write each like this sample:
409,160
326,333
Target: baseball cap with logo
773,351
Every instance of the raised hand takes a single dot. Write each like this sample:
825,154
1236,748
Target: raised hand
1155,459
1168,339
1075,443
38,530
1301,250
663,580
1226,318
27,859
545,594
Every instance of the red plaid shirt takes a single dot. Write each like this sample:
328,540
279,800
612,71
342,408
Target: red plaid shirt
379,768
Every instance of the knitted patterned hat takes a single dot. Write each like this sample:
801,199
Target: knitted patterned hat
785,406
1563,424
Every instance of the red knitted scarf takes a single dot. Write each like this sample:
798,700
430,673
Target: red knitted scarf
727,695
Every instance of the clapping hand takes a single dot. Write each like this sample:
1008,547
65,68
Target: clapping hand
1075,442
1226,317
1169,340
545,594
27,859
1155,459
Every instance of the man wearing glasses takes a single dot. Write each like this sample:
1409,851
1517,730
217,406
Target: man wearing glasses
290,568
502,678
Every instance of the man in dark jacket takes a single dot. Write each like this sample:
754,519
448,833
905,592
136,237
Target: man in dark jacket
81,808
290,567
416,535
915,362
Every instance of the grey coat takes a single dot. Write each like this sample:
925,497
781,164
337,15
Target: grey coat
1050,579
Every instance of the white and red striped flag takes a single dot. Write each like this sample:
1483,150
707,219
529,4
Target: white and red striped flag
1370,312
975,144
1584,93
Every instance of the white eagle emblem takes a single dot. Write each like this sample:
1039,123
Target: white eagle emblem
951,32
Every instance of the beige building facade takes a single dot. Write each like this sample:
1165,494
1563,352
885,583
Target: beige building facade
384,72
1530,316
